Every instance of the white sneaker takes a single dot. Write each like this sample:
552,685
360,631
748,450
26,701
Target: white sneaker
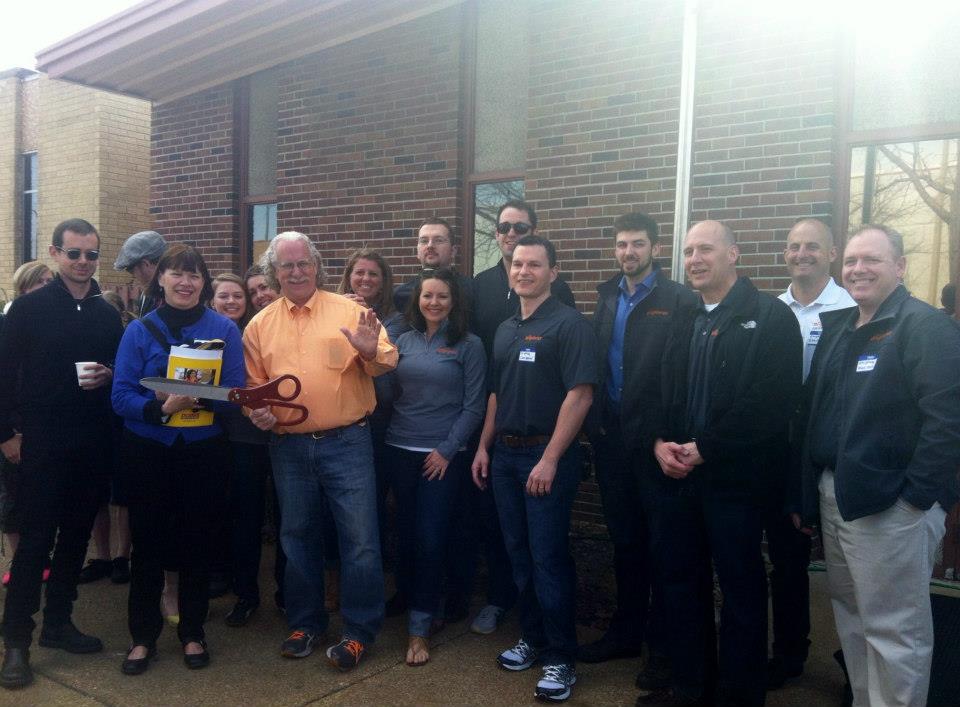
555,684
487,620
520,657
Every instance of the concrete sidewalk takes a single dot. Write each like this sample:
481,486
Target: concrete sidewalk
248,670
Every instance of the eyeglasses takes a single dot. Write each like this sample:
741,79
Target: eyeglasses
520,228
300,264
75,253
436,240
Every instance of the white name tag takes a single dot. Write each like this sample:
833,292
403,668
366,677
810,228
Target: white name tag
866,363
529,355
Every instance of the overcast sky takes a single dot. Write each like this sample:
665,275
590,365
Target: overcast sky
31,25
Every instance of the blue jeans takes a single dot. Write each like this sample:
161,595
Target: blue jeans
423,521
338,467
536,534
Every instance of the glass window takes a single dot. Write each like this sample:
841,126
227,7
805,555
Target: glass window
487,198
30,190
912,187
262,145
905,67
501,86
263,227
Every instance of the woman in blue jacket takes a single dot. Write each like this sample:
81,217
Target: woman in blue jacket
180,473
439,404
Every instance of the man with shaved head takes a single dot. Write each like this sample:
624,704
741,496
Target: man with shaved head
808,254
732,377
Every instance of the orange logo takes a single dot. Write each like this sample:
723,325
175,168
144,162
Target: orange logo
658,313
532,337
881,336
445,350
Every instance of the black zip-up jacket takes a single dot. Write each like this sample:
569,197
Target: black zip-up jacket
899,412
45,333
668,305
756,370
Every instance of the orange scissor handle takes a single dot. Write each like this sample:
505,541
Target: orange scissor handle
269,394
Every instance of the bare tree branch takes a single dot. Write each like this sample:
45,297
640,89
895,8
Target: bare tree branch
941,212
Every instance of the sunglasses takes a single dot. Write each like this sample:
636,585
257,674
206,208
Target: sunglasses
520,228
75,253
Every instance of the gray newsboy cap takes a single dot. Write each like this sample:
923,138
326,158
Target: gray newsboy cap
145,244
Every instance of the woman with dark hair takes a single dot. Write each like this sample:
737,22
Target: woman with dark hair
368,281
438,405
242,549
175,472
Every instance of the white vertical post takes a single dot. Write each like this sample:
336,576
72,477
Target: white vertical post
688,71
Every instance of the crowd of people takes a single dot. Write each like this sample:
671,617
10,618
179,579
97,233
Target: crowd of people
717,414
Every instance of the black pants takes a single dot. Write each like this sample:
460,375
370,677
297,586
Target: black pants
63,475
189,482
692,523
618,476
789,585
248,478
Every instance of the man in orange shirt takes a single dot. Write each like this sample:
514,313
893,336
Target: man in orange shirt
334,347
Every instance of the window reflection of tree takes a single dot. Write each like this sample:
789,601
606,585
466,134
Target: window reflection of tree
488,197
914,187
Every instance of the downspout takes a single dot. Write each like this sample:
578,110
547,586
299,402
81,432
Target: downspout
688,70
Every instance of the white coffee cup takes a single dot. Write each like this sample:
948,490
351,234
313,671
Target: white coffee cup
83,367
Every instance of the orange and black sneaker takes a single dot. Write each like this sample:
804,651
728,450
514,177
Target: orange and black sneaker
345,655
299,644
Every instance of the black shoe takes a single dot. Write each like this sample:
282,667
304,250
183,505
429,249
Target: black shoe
280,602
668,698
455,611
120,572
780,669
219,585
240,614
196,661
847,689
609,646
94,571
395,606
138,666
655,674
67,637
16,670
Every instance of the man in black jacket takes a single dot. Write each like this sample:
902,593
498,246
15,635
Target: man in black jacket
731,381
881,448
636,309
65,444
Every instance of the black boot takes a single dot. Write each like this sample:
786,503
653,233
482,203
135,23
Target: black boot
617,642
16,670
68,637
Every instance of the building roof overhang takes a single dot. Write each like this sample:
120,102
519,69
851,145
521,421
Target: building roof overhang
163,50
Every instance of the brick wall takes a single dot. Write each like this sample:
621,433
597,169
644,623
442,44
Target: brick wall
368,139
10,148
193,189
602,137
765,110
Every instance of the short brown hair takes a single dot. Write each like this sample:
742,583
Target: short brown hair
181,256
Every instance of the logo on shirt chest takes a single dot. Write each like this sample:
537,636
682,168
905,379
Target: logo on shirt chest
658,313
532,337
447,351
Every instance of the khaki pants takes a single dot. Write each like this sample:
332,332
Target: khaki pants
878,572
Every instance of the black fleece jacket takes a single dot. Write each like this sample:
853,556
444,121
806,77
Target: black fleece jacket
756,370
44,334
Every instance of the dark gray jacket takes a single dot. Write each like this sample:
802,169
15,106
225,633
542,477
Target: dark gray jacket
899,430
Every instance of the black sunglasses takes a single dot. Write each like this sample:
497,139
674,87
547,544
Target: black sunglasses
521,228
75,253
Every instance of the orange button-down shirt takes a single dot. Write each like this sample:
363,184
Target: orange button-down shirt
306,341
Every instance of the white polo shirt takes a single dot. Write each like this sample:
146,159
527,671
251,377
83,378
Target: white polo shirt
831,297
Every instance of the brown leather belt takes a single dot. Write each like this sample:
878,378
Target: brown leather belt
517,442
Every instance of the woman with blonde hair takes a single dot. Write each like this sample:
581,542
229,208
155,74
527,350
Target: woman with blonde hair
29,277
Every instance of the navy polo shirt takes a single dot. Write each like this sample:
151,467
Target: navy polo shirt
536,362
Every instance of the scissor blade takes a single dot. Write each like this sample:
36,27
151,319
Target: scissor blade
194,390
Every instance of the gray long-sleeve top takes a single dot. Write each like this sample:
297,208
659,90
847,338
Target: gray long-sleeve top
440,397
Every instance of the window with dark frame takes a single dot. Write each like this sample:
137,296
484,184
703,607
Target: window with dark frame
29,206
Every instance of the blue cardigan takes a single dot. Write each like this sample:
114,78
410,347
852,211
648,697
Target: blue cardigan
140,355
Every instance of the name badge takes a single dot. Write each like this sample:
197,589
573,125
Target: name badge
815,332
529,355
866,363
